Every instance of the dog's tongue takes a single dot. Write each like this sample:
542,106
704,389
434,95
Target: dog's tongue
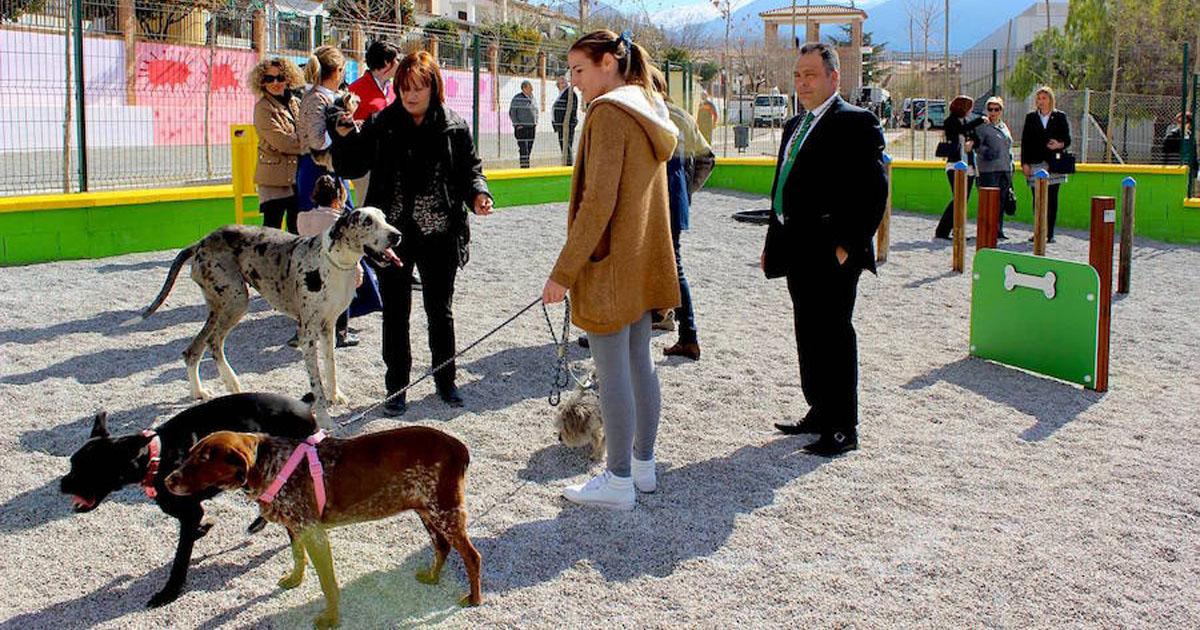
82,503
392,257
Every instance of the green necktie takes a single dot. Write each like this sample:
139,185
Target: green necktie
786,169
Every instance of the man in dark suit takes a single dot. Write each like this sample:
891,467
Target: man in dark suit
828,198
566,116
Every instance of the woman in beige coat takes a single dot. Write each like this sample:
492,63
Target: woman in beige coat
278,143
618,262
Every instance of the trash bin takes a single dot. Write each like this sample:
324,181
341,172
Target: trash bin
741,138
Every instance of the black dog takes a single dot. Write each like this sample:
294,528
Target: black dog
105,464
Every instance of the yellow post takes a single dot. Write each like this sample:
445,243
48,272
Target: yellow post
1041,194
243,144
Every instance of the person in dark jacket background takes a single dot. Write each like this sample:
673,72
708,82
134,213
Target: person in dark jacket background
424,175
566,115
1047,132
523,114
959,130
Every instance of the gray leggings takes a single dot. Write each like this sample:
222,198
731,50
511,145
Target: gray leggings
629,394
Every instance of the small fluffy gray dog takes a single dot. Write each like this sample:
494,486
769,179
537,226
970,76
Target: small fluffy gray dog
580,422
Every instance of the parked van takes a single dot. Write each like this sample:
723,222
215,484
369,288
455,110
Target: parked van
770,110
928,113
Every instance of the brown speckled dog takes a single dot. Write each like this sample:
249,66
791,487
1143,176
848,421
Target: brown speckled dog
366,478
308,279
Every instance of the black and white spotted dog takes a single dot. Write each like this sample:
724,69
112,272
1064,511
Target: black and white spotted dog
311,279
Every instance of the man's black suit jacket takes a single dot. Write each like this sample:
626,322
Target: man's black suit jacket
834,195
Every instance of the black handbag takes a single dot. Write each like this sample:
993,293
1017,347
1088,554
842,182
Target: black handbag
1008,200
1062,162
945,149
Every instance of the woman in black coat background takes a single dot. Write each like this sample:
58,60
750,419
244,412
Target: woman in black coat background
1047,131
425,174
959,131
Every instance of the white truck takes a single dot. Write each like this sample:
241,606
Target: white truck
770,110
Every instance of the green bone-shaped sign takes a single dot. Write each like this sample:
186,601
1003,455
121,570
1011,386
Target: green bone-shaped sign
1039,314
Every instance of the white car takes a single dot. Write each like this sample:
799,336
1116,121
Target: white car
770,110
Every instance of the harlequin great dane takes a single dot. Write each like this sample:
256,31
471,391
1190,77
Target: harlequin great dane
311,280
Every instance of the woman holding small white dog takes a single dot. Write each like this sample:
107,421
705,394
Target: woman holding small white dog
618,261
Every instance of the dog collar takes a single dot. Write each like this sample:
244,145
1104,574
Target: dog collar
155,447
305,449
335,263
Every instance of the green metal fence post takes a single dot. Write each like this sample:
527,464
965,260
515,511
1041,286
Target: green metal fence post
1183,95
667,75
995,66
475,89
80,100
1193,147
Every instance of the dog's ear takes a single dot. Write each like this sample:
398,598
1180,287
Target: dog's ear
237,462
100,425
241,453
338,231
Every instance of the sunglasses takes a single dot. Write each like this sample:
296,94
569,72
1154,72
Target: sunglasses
995,109
273,78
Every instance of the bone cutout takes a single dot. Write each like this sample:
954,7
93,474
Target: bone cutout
1045,284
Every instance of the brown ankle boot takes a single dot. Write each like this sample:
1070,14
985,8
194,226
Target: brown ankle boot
680,349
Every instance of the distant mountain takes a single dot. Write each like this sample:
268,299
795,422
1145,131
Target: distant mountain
970,20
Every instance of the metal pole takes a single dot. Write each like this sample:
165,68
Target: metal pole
1183,95
475,90
1049,49
1195,138
725,80
1083,124
80,100
67,79
946,50
995,68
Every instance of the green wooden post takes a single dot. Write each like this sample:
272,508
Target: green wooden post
80,99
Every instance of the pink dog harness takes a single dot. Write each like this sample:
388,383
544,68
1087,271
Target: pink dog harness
307,448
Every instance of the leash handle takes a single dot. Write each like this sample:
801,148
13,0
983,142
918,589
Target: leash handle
362,414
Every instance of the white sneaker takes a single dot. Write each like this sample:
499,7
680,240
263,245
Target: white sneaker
643,475
605,490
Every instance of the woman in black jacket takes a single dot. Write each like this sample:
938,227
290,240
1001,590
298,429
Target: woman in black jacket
1047,131
959,130
424,176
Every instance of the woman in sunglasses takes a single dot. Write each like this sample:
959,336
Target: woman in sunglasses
278,143
994,159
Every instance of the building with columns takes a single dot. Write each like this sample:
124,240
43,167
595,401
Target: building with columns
807,23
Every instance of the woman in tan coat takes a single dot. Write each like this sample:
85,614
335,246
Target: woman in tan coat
278,143
618,262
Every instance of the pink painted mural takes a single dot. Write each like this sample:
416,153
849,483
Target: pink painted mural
173,80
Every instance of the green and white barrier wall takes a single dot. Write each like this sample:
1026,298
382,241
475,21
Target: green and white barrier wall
42,228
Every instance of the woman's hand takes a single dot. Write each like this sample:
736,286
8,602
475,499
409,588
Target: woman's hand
483,204
1027,169
1055,145
553,292
970,145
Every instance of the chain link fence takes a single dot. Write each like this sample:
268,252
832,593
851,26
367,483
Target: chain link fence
163,81
1144,129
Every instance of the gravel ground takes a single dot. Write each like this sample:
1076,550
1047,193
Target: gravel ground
982,496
